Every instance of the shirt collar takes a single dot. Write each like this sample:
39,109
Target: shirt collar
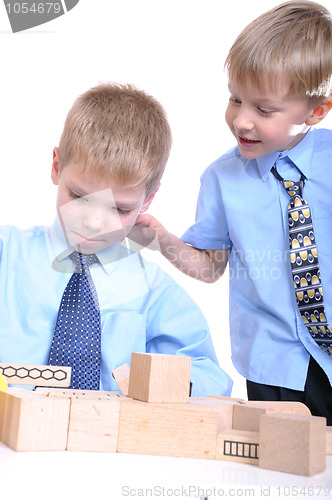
60,250
300,155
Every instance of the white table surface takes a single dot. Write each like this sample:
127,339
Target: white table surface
116,476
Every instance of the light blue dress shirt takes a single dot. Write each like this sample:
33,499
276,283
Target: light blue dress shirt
242,206
142,308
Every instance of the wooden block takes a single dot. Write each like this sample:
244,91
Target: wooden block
33,423
93,424
226,398
42,375
246,417
4,401
224,407
121,376
329,440
74,393
291,406
159,378
178,430
292,443
238,446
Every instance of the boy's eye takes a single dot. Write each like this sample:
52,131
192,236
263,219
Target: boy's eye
75,196
122,211
234,100
265,112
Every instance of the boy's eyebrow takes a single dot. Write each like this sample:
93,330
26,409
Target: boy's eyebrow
77,189
124,204
121,204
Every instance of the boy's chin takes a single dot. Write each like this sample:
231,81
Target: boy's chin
102,242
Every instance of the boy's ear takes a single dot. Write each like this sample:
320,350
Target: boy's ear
319,113
148,201
55,167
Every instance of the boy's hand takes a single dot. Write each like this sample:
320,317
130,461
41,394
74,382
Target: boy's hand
148,232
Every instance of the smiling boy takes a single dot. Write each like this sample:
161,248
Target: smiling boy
107,169
280,83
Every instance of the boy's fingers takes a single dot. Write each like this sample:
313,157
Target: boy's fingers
145,220
142,235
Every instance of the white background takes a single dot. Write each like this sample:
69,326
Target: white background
173,49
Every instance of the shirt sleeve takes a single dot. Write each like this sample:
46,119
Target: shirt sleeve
210,231
177,326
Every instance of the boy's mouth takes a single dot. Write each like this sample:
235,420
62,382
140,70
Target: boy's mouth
247,142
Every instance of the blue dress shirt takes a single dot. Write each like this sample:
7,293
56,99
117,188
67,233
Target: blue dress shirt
242,206
142,308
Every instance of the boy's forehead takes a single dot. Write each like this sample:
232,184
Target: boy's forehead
270,85
86,182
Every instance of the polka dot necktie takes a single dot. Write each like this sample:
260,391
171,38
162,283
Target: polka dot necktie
77,334
305,267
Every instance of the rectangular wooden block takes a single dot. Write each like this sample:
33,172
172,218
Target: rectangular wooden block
224,407
292,443
238,446
75,393
93,424
329,440
33,423
42,375
178,430
247,416
159,378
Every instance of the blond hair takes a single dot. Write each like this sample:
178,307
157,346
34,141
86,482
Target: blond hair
293,39
120,131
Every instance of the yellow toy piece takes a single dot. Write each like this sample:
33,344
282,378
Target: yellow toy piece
3,383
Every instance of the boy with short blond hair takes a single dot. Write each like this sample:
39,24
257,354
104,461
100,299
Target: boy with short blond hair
280,83
120,131
74,294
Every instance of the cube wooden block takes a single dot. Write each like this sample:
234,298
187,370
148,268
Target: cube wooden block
93,424
292,443
159,378
247,416
33,423
224,407
238,446
178,430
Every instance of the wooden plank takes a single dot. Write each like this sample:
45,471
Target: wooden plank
33,423
246,416
292,443
159,378
93,424
291,406
238,446
121,375
41,375
179,430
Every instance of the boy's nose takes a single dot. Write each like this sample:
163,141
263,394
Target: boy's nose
243,121
94,221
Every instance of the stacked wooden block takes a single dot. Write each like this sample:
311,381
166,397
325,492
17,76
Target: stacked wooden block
158,418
